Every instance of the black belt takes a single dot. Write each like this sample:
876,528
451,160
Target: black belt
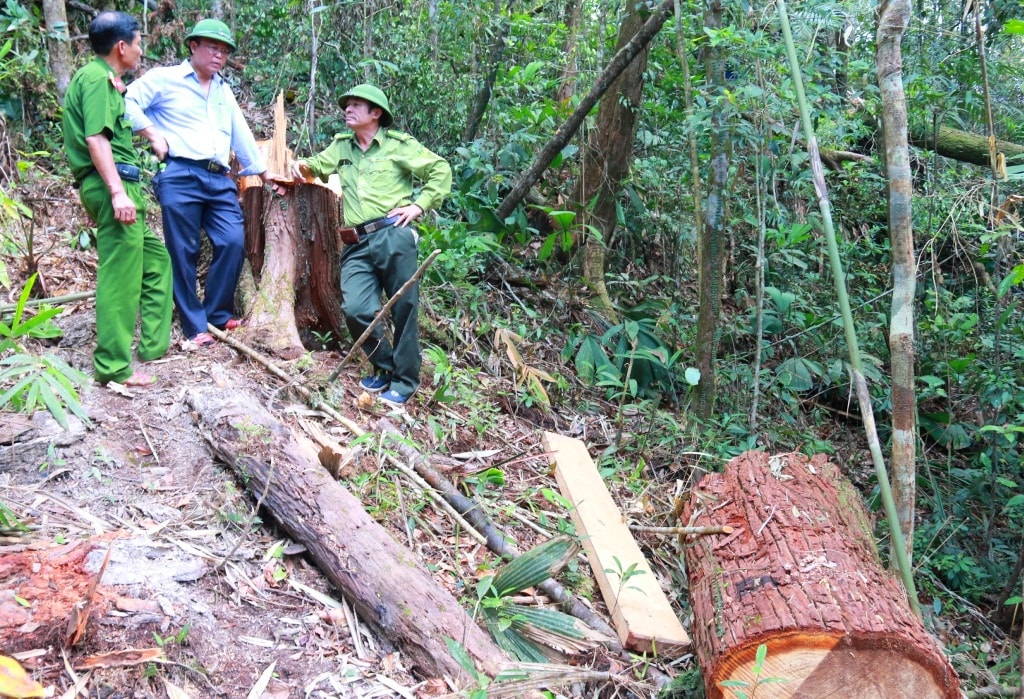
372,225
128,173
208,165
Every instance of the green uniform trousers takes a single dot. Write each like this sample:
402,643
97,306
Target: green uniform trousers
133,279
381,262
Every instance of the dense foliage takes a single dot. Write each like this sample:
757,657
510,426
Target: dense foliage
433,57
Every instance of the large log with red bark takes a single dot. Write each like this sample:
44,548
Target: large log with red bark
390,589
800,575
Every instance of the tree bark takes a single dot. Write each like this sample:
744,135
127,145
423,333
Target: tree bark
389,588
567,81
711,236
565,132
293,250
893,18
272,310
606,162
800,575
58,44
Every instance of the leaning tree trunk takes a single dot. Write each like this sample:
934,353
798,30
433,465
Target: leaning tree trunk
607,160
483,93
800,577
58,44
565,132
893,18
388,586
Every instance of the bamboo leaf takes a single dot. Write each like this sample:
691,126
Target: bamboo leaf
535,566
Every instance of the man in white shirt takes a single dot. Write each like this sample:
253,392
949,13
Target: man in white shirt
193,123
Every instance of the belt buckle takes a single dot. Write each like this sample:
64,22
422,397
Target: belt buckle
215,167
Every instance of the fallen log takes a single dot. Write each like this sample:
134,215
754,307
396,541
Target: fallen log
964,146
391,591
800,576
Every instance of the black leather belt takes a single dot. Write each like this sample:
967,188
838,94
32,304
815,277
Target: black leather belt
208,165
127,173
367,227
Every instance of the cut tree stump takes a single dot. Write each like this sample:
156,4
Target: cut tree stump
294,254
800,575
390,589
641,615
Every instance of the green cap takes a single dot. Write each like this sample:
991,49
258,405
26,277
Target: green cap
375,96
212,29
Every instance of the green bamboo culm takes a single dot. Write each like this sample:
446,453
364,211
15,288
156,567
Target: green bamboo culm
818,176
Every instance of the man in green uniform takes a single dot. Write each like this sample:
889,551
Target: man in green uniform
134,274
377,166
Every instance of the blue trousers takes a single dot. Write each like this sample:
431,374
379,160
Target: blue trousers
191,200
383,261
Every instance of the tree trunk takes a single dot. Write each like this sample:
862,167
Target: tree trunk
58,44
292,247
567,81
963,146
483,94
565,132
389,588
711,236
800,576
606,162
893,18
271,314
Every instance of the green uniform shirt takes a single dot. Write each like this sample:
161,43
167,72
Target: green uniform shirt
375,182
93,105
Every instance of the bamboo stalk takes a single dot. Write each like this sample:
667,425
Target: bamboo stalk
52,301
839,279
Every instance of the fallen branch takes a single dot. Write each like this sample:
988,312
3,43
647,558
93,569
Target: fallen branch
497,542
52,301
682,531
996,690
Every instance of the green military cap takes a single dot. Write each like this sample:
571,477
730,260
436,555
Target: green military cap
375,96
212,29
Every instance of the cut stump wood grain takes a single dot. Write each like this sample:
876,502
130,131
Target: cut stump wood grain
641,615
390,589
800,574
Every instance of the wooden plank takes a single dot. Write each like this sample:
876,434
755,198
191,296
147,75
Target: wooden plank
641,613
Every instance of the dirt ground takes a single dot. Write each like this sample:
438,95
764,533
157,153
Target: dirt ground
200,595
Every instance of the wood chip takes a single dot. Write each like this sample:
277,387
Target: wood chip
130,604
121,658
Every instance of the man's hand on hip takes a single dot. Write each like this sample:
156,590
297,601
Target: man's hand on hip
405,214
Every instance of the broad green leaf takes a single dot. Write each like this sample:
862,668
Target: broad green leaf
798,374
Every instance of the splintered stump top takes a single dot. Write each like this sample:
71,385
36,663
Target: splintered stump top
800,575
